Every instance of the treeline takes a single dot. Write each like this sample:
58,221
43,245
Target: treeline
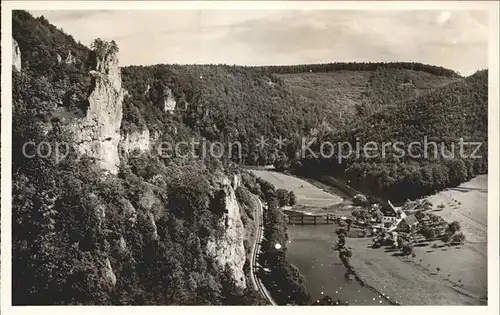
360,66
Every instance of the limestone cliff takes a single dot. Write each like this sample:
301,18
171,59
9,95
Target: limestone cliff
139,140
168,101
229,249
16,55
98,134
162,96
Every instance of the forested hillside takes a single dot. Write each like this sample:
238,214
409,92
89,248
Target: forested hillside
83,236
443,116
233,103
343,96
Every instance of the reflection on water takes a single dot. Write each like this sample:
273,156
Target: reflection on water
310,250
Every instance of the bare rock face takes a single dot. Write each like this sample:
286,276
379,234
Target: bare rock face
168,101
98,134
230,249
109,273
16,55
139,140
70,58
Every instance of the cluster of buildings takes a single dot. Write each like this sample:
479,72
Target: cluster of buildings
394,220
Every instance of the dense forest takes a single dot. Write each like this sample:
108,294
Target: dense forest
361,66
242,104
84,237
72,222
380,102
81,236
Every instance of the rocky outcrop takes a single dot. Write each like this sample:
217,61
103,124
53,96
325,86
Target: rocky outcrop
168,101
139,140
229,249
98,134
16,55
162,96
109,273
154,229
70,58
128,210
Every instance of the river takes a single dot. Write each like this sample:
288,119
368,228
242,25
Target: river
310,250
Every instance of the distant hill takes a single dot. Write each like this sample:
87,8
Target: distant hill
458,109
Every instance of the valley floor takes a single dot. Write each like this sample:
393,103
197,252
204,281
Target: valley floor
462,277
307,194
412,282
463,269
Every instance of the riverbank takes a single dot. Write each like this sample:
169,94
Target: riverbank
310,249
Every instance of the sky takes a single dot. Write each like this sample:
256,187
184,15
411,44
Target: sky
453,39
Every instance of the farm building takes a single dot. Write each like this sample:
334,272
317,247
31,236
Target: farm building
407,223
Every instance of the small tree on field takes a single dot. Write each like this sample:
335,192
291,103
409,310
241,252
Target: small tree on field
446,237
283,197
292,199
453,227
407,249
458,238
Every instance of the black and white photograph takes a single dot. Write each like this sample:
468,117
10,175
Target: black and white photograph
253,154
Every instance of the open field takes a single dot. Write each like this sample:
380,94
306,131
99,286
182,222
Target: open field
467,204
406,281
308,195
466,266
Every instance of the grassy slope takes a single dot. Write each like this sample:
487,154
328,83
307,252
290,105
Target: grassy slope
341,95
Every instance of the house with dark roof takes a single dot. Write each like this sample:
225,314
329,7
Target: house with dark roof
390,215
407,224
